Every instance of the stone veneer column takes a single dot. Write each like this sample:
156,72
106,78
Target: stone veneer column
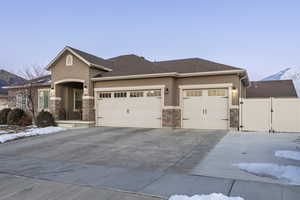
88,108
234,118
55,106
171,117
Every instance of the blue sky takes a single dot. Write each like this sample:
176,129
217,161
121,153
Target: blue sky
261,36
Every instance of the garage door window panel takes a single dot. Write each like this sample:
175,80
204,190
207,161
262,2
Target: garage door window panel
104,95
136,94
154,93
120,94
217,92
193,93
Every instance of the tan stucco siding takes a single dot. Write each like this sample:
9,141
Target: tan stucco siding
234,79
167,82
79,70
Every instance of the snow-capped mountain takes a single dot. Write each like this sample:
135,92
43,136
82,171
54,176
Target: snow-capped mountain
288,73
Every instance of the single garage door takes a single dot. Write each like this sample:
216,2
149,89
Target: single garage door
205,108
129,108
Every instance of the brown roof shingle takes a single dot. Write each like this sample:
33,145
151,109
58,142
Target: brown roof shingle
135,65
274,88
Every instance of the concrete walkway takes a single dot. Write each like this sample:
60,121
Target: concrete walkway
49,175
247,147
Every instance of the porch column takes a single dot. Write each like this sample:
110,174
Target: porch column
88,108
55,107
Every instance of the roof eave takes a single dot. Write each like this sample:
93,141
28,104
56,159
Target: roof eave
171,74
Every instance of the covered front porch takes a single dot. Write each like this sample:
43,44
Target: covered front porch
70,104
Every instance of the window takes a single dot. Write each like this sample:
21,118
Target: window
217,92
136,94
193,93
22,100
69,60
43,99
104,95
77,100
154,93
120,94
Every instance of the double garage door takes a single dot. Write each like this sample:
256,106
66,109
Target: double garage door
139,108
205,108
201,108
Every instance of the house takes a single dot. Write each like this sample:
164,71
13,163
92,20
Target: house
273,88
7,78
131,91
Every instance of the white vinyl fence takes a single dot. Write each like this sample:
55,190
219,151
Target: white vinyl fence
270,114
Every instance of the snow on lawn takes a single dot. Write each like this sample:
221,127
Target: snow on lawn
30,132
213,196
294,155
286,173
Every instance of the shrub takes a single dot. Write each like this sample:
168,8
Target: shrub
45,119
3,115
26,120
14,116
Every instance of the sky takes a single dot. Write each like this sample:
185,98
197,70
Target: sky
260,36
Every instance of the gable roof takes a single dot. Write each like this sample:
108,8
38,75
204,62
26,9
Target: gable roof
274,88
89,59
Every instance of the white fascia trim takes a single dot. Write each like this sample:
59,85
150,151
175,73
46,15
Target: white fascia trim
69,80
136,76
101,67
78,56
221,85
171,74
211,73
130,88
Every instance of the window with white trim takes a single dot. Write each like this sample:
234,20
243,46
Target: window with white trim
22,100
69,60
77,99
43,99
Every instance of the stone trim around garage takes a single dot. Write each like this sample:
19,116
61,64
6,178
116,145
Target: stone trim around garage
234,118
171,117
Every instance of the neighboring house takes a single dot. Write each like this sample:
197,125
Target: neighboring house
40,88
7,78
131,91
273,88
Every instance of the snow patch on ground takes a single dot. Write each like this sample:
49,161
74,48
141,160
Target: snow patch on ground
294,155
30,132
286,173
213,196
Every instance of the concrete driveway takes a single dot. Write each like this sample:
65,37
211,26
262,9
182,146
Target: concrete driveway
121,163
147,149
129,159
